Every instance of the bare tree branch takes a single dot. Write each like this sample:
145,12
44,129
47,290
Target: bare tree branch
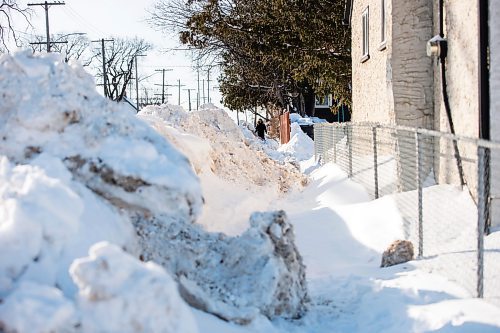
120,56
9,9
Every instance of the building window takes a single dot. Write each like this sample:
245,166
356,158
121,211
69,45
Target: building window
324,101
383,26
366,27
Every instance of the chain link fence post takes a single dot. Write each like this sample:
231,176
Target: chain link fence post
375,161
335,129
349,145
482,212
317,142
419,167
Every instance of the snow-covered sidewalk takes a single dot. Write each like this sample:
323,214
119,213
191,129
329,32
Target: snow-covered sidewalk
341,235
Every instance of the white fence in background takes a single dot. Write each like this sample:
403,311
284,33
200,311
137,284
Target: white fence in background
446,188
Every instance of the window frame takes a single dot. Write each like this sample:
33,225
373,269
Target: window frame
383,25
365,31
327,101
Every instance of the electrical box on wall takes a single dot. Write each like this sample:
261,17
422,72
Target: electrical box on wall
437,46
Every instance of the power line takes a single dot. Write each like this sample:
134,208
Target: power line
46,7
74,15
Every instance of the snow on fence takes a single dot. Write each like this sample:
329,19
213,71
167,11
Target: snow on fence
446,187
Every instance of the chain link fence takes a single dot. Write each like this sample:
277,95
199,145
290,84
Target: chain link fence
446,188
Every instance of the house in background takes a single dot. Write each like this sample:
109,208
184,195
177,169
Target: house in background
323,109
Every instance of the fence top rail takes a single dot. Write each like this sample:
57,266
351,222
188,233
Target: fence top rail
419,130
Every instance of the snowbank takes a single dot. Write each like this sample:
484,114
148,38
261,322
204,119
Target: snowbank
47,220
72,165
297,118
234,154
52,108
77,169
235,278
300,145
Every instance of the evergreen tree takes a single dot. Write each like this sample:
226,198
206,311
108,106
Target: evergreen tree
270,51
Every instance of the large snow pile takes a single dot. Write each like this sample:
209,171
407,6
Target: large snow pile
233,277
233,155
77,169
71,164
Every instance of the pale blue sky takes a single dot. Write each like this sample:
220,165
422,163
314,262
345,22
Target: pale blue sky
107,18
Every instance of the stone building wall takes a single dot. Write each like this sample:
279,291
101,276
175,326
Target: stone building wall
394,86
412,68
494,23
372,79
461,32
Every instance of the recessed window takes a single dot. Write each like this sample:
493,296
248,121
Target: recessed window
323,101
383,26
366,27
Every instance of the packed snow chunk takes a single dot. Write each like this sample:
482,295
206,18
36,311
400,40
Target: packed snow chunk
36,308
216,118
51,107
400,251
300,144
39,215
47,220
289,290
118,293
174,115
235,278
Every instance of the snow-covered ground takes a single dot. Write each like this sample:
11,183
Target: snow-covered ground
73,167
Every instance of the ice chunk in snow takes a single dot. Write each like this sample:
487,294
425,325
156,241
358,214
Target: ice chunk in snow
235,278
118,293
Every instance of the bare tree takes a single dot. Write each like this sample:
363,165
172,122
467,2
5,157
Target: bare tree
9,11
119,63
73,46
149,98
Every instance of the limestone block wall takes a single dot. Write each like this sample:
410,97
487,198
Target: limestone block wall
412,68
461,32
372,79
494,23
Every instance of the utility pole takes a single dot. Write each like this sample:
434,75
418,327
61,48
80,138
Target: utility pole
189,97
204,99
137,80
163,70
198,93
104,76
179,85
208,84
46,6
